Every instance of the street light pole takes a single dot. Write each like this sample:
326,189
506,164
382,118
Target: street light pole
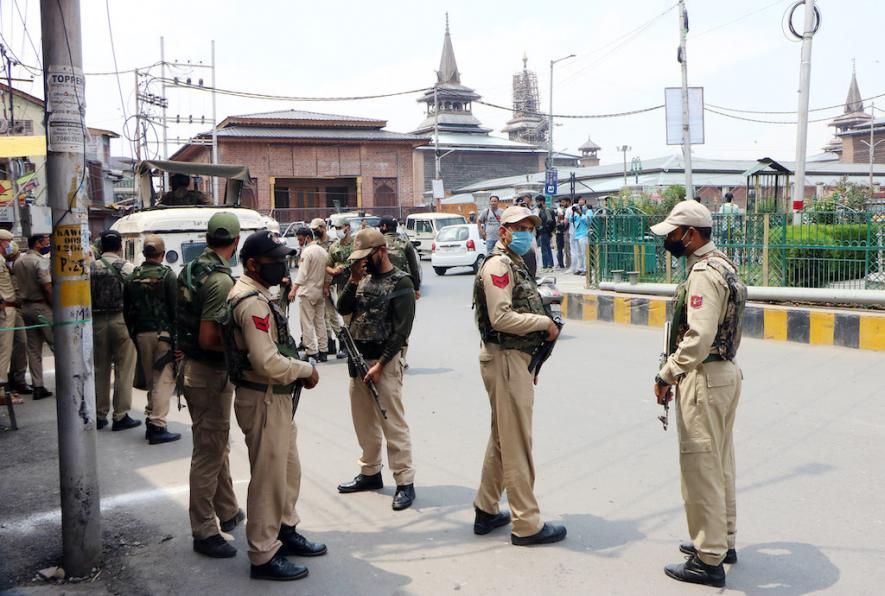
66,179
550,115
808,31
624,149
686,130
872,145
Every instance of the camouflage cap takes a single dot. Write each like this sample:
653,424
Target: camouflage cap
223,226
153,245
364,241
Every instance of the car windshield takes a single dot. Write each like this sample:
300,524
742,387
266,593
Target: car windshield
453,234
449,221
192,250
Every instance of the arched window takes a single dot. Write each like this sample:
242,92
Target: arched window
385,192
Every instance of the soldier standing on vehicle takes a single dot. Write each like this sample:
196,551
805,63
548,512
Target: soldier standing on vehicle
181,194
32,274
149,310
309,286
705,334
381,302
110,337
203,286
512,322
264,366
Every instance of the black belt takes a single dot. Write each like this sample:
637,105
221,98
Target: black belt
262,387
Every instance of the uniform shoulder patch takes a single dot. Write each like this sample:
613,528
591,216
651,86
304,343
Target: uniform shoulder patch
501,281
700,265
262,324
697,301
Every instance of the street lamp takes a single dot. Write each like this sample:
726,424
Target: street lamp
624,149
550,115
636,168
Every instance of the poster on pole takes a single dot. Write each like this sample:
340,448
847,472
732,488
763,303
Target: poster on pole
65,98
438,190
673,109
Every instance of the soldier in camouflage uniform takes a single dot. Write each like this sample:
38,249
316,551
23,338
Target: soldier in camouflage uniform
704,339
111,342
339,253
401,252
264,366
512,322
382,309
203,286
181,194
149,311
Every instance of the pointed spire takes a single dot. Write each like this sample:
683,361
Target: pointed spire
854,103
448,68
525,60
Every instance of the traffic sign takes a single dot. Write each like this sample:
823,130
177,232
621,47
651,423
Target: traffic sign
551,182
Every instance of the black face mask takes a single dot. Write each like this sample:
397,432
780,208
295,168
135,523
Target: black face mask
675,247
371,265
272,273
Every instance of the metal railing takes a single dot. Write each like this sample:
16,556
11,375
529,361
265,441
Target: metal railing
824,250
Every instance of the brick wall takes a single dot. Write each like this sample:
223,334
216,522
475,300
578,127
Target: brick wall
461,168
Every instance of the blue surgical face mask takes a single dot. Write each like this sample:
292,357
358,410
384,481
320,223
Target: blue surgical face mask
45,250
521,242
8,249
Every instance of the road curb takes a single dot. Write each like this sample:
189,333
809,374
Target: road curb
861,330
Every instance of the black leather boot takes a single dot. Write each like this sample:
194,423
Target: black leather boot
125,423
731,556
486,522
295,544
40,393
159,434
404,497
230,524
549,533
215,546
361,483
695,571
278,569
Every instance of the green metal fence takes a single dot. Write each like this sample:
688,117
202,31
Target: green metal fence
823,250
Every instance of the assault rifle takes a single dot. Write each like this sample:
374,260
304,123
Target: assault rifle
543,351
665,419
355,361
299,386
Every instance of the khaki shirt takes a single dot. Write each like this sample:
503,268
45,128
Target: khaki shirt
497,282
112,258
7,288
312,272
32,273
256,333
705,302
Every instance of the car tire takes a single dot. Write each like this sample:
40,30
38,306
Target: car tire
439,270
480,259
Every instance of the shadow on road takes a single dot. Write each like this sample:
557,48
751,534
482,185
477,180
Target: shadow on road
596,535
782,569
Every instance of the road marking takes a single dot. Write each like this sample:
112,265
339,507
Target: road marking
32,523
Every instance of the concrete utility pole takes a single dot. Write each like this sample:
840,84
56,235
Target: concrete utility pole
66,179
165,124
218,201
550,115
804,85
872,145
686,129
624,149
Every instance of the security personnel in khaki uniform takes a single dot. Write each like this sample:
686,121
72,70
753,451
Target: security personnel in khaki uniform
33,278
704,338
203,286
19,365
8,303
264,366
319,229
382,308
149,310
309,286
512,322
110,337
337,267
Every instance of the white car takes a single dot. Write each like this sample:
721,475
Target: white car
457,246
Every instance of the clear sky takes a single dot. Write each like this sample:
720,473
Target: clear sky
625,58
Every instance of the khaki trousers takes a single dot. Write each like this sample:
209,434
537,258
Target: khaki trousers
508,460
370,426
706,400
160,383
112,347
209,395
19,366
37,313
7,321
332,325
313,325
266,420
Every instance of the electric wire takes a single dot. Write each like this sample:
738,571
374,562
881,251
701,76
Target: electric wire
789,112
107,5
759,121
28,34
253,95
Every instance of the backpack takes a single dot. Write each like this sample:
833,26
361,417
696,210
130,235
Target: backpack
548,221
107,286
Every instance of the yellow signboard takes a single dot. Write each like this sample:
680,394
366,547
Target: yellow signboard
22,146
68,253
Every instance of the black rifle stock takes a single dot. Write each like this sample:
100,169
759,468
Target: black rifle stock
356,360
542,352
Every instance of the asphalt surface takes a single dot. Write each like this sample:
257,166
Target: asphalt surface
810,439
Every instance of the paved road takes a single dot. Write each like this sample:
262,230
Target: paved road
810,440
